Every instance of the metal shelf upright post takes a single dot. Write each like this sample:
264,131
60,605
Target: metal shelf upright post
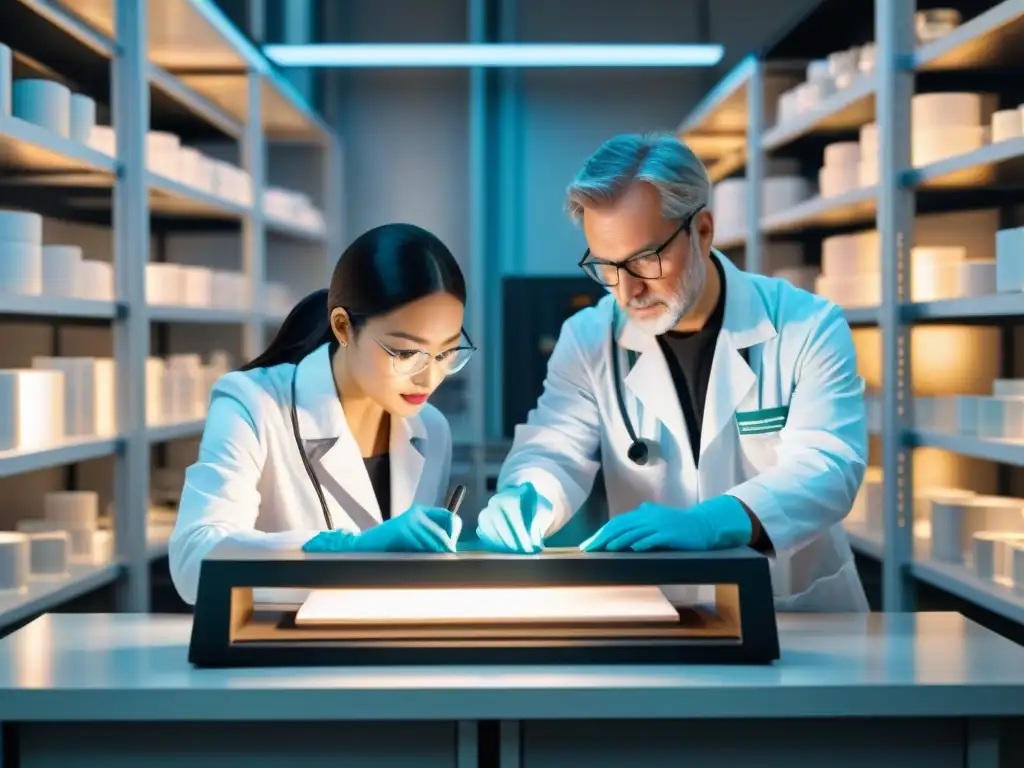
894,33
254,236
131,328
754,258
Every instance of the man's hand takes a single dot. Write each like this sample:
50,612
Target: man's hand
719,523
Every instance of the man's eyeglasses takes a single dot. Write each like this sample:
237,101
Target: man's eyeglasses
645,265
409,362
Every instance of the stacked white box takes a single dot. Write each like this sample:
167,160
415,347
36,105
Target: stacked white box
1006,125
155,369
1001,417
992,554
61,265
77,513
103,139
95,280
946,125
49,552
935,272
954,523
728,201
31,409
82,119
840,171
21,253
89,393
162,154
45,103
1010,260
14,561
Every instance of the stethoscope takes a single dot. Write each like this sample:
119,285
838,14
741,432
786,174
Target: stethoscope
305,459
639,451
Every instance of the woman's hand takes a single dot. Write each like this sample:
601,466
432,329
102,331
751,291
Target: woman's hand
419,529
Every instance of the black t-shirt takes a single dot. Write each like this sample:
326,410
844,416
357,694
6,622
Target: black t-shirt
379,470
689,357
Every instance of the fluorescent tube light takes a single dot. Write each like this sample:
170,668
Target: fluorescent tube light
493,55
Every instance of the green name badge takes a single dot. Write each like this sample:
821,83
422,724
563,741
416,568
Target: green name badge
763,421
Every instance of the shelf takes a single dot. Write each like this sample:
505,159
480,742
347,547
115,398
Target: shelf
972,169
1001,305
162,433
854,207
863,541
724,109
70,452
56,307
170,197
208,315
988,449
959,581
45,594
992,39
194,104
28,147
861,315
294,231
846,110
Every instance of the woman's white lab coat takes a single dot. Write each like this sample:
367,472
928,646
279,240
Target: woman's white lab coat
249,482
785,433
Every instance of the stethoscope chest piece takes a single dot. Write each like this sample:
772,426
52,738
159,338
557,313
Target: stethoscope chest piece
639,453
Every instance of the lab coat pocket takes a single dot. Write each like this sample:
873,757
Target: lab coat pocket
840,592
759,452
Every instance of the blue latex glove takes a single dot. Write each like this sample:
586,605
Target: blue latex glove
718,523
420,529
515,520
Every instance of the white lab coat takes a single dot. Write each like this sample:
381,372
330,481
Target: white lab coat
800,481
249,483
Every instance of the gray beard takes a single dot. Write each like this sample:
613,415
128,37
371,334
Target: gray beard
688,290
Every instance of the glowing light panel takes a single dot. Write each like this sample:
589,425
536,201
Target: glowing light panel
493,55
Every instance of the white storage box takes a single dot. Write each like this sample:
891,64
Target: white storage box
72,510
31,409
1001,417
992,555
45,103
49,553
21,268
954,523
83,117
1010,260
60,270
14,561
165,284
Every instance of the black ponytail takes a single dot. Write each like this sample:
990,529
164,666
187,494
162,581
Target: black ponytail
307,327
384,269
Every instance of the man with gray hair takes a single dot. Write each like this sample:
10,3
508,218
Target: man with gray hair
724,408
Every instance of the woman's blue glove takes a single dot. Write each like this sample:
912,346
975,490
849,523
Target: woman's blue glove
420,529
515,520
718,523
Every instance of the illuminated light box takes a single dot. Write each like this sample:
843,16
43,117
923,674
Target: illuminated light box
563,606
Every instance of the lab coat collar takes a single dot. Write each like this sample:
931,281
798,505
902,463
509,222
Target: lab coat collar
745,323
337,459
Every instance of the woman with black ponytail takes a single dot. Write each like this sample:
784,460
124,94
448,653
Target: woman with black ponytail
326,440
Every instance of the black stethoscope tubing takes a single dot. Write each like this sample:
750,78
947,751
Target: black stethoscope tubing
305,458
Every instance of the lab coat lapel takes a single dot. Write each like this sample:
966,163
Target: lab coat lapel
330,444
408,442
651,381
744,325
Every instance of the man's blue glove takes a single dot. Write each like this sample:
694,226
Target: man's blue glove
420,529
515,520
718,523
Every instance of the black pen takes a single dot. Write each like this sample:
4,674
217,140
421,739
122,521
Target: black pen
455,500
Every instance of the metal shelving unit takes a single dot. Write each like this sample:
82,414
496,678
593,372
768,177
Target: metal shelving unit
177,65
969,58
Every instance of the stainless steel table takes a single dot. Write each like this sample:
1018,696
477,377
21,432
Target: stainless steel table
914,691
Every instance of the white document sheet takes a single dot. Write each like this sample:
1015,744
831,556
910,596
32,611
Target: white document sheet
483,605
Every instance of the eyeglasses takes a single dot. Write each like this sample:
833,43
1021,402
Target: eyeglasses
409,362
645,265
